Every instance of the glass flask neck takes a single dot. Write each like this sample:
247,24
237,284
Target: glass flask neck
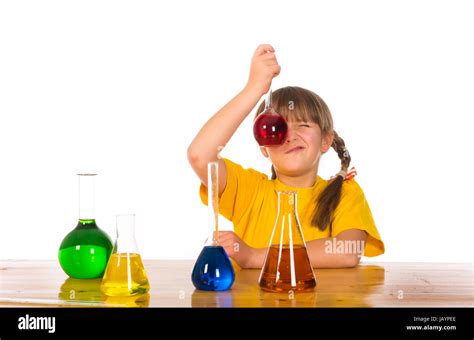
287,202
213,202
86,224
287,230
86,197
126,242
268,100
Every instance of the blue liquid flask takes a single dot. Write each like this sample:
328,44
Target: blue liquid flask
213,270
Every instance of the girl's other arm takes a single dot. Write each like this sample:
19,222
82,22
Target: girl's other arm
325,252
222,125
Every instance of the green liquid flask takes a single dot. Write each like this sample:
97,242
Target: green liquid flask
85,251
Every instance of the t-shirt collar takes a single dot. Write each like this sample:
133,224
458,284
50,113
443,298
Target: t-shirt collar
281,186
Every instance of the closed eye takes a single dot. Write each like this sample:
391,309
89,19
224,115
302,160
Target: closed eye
304,125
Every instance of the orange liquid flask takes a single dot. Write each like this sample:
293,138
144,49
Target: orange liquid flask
125,274
287,266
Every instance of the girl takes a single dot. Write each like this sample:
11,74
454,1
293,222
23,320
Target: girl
335,218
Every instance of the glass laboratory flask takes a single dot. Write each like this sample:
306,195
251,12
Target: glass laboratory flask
84,252
213,270
125,274
270,128
287,266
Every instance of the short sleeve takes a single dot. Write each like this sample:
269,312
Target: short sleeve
240,191
353,212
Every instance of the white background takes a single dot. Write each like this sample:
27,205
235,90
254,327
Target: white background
121,87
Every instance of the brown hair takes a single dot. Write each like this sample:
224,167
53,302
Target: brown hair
303,105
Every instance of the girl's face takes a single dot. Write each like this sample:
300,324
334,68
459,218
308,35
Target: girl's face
300,152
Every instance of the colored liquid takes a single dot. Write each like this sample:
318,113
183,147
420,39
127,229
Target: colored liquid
270,129
84,252
213,270
125,276
278,274
84,261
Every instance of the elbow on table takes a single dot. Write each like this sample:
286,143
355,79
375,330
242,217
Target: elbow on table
351,260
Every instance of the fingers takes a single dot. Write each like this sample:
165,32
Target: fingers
227,235
230,247
276,70
229,250
273,69
269,60
268,56
230,241
227,241
263,69
226,232
271,63
264,48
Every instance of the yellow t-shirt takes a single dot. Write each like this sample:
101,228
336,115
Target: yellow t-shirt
250,202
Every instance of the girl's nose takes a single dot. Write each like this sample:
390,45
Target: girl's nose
290,135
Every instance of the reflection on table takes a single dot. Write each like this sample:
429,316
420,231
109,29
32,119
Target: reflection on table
75,291
43,283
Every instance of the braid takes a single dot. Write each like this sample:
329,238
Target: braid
329,198
340,147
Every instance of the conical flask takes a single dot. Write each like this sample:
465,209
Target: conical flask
125,274
213,270
84,252
287,266
269,127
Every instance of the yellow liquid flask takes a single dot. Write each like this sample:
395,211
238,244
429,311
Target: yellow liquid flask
125,274
287,266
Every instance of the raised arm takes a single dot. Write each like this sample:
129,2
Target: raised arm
221,126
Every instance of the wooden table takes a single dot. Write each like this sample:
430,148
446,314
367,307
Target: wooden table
44,284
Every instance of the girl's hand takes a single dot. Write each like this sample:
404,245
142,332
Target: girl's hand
244,255
263,69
